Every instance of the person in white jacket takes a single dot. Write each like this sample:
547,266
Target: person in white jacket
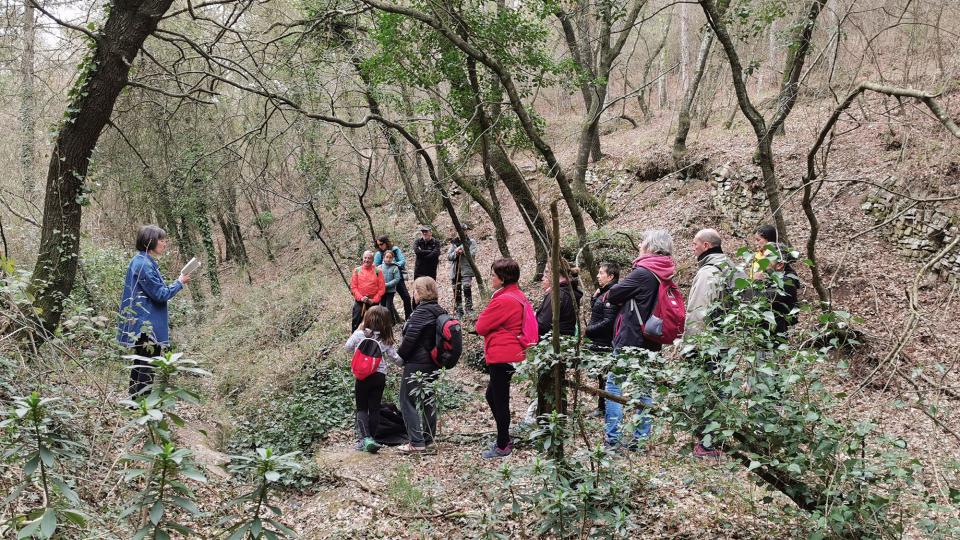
709,281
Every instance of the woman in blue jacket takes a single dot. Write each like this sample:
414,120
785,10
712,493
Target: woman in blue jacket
144,321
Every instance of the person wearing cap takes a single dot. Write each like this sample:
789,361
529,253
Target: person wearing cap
427,250
461,273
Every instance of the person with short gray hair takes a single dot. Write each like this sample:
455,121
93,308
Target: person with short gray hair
636,296
657,242
367,286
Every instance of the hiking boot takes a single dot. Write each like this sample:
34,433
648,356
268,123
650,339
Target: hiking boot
494,452
702,452
370,445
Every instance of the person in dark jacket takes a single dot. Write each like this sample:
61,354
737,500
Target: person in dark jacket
419,338
427,250
602,316
144,323
636,296
767,245
570,295
383,245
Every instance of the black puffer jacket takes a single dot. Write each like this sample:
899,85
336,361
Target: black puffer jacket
602,316
569,306
420,336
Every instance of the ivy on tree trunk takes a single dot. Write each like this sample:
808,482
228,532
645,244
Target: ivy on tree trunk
103,73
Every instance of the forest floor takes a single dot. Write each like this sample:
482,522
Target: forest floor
443,495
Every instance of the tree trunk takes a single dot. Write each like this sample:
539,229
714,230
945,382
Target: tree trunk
475,193
642,98
685,47
260,221
683,121
27,102
792,66
526,203
396,149
202,220
103,74
233,234
785,100
187,246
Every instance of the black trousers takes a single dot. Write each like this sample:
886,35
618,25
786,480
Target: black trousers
387,302
498,397
141,375
368,394
404,296
358,313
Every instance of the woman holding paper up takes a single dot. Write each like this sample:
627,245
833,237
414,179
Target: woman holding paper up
143,306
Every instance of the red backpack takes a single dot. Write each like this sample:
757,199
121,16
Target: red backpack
529,330
449,341
366,358
665,324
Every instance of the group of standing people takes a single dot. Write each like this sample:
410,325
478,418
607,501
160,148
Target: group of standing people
381,275
618,309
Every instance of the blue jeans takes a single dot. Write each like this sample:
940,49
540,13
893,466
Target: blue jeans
613,416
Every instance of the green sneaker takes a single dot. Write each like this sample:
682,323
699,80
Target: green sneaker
370,445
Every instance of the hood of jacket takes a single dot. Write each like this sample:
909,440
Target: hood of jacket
714,259
662,266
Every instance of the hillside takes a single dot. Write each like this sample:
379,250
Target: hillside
271,337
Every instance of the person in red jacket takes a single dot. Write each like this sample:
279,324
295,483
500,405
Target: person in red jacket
501,324
367,286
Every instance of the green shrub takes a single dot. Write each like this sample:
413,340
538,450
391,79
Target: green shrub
318,402
407,494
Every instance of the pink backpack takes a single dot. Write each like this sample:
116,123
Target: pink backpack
529,330
666,322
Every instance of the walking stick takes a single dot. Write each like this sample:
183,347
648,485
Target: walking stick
458,283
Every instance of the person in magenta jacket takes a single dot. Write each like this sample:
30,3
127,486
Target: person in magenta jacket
501,324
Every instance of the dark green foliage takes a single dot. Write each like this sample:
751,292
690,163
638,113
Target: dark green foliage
586,494
161,466
37,437
318,402
266,469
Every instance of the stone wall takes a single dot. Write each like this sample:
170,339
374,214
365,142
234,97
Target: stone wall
740,198
919,232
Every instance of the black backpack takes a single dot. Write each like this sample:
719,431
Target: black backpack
728,295
449,343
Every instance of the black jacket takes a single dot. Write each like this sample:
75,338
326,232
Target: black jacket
783,303
569,305
602,316
642,286
420,336
428,255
